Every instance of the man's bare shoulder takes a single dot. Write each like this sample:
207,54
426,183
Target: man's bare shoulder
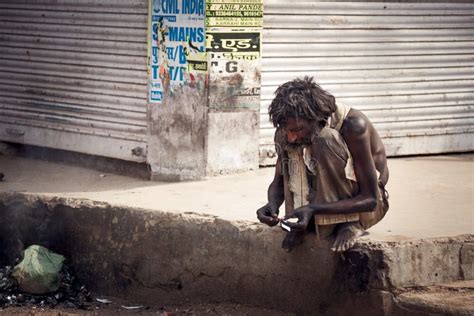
355,124
357,127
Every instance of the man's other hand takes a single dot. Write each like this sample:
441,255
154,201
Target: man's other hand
268,215
304,216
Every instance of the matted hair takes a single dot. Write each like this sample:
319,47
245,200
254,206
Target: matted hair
301,98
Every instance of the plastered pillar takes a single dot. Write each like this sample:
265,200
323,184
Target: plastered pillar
204,88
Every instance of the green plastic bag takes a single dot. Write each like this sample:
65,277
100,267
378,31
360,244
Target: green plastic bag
38,272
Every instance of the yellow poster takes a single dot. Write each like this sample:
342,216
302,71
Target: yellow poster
234,13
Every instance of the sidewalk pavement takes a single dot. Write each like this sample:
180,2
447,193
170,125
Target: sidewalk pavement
430,196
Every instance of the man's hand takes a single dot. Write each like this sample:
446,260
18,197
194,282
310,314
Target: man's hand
268,215
304,215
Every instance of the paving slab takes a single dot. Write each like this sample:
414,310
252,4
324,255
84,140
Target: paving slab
447,299
430,196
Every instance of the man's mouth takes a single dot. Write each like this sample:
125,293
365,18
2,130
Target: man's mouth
300,143
304,142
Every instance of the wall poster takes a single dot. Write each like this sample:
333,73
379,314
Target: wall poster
233,44
176,45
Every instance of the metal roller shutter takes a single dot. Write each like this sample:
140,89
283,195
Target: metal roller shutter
408,66
73,75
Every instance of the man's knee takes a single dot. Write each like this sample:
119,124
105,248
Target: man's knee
369,219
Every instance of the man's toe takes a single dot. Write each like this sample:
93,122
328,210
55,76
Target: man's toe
337,242
350,244
343,244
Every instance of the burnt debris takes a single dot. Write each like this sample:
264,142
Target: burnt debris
71,293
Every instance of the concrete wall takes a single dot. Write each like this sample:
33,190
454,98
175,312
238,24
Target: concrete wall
177,91
232,139
233,45
177,135
160,258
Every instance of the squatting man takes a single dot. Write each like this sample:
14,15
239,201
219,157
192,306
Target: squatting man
331,169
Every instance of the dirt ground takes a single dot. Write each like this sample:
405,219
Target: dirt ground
114,309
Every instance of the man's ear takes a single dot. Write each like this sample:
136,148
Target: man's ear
331,103
332,100
323,122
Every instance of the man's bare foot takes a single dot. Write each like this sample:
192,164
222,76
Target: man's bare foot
346,236
292,239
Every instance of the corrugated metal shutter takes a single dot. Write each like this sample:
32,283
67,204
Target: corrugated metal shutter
408,66
73,75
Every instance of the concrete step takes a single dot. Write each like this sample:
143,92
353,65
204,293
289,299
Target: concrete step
455,298
421,262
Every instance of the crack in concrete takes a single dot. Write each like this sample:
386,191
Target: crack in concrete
173,285
203,275
461,270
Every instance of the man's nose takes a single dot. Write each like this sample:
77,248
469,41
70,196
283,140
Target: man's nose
292,137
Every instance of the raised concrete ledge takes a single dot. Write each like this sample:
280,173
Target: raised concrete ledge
421,262
158,257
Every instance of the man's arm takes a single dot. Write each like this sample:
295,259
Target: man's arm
268,214
276,193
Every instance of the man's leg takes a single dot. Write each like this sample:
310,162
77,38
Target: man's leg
369,219
348,233
332,183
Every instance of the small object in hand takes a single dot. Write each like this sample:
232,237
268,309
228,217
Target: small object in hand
284,225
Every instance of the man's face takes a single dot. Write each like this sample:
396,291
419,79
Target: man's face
299,131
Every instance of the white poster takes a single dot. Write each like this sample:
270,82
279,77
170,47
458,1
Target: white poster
176,45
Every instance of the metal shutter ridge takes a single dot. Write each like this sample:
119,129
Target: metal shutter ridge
408,66
73,75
